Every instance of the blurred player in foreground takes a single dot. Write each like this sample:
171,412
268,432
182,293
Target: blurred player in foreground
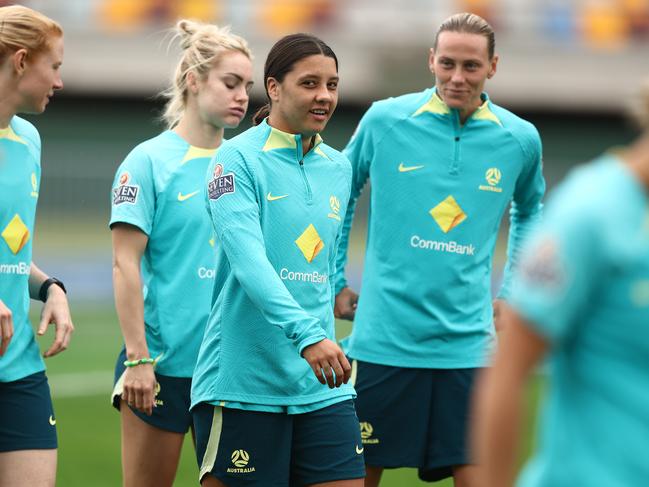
31,54
277,194
164,260
444,164
581,298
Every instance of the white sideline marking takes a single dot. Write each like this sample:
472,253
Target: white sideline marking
78,384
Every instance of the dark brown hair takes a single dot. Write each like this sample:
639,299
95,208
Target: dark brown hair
282,57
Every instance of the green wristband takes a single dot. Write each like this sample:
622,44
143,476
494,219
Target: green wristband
134,363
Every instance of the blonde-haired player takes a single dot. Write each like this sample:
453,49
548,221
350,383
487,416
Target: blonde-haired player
31,53
164,260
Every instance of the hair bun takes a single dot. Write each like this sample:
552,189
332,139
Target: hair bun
186,30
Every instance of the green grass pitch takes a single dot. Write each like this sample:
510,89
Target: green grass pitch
88,427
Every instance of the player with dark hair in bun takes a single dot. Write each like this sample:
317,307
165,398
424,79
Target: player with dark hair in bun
270,393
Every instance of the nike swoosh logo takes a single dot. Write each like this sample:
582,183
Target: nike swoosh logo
53,421
403,168
359,450
270,197
183,197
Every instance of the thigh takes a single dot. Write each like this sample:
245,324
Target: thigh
27,420
149,454
172,400
28,468
393,407
449,422
327,447
242,448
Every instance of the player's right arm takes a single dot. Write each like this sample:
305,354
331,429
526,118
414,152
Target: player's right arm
132,215
359,151
6,327
235,214
129,243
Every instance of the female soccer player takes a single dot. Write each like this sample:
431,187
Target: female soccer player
163,246
31,53
444,166
276,195
582,297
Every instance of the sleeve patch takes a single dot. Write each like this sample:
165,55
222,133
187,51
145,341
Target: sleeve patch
221,184
125,193
542,266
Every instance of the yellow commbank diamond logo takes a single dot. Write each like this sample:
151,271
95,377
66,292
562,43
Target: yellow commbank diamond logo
448,214
310,243
16,234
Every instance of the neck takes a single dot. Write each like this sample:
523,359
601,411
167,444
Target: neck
198,133
465,113
7,108
637,159
307,143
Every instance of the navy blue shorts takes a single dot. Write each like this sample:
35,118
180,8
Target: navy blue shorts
414,417
172,399
26,415
250,448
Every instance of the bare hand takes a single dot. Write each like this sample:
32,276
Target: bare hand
139,388
499,307
325,356
346,303
57,311
6,327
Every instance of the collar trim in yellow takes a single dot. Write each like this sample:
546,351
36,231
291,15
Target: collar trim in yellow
8,133
279,140
484,113
197,153
283,140
434,105
321,153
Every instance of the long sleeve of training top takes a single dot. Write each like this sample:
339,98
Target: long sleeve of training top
526,209
239,232
360,152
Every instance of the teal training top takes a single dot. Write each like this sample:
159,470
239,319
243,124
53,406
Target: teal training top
159,189
584,287
438,194
277,216
20,175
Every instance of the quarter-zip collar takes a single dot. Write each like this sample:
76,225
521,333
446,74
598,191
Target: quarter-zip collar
437,106
278,139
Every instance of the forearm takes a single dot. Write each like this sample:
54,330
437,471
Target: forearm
36,279
499,401
129,303
498,409
266,290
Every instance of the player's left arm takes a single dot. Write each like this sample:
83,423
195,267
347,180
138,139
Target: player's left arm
55,311
525,213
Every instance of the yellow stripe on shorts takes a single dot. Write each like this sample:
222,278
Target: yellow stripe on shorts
209,458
